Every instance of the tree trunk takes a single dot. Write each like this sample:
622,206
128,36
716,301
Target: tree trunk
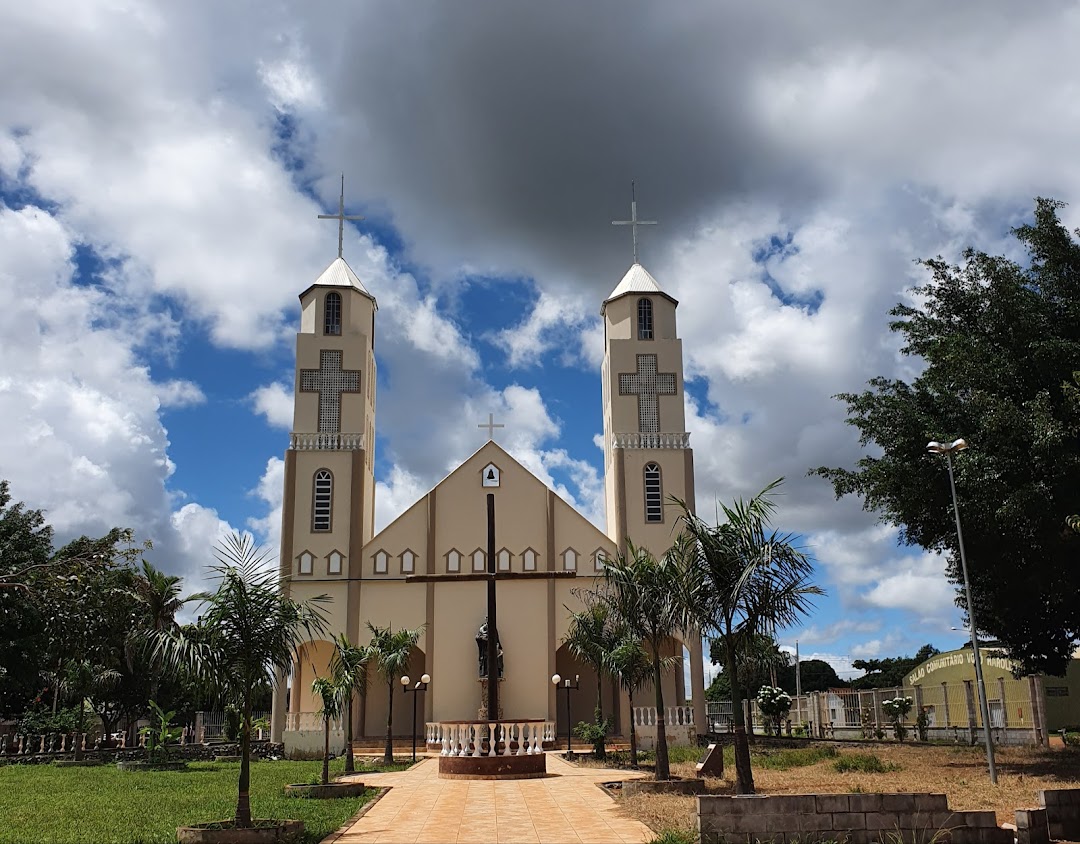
326,750
633,732
80,736
744,776
598,714
350,765
388,752
663,768
243,791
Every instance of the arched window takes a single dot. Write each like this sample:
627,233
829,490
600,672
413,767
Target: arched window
644,319
408,562
569,557
654,494
479,560
453,560
332,315
529,559
381,559
322,501
503,558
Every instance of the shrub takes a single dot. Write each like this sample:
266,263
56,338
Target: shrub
675,836
1072,739
774,704
863,763
594,734
897,709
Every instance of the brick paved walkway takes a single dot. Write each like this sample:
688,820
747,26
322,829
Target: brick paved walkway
567,807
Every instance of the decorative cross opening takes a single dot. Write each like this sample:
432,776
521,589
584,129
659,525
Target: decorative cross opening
633,222
491,425
330,381
648,385
341,217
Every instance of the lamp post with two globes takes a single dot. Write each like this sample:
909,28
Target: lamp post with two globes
569,687
949,449
421,686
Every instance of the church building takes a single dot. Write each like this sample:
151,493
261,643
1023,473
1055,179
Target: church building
428,567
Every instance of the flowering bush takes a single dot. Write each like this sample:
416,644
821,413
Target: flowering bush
774,704
897,709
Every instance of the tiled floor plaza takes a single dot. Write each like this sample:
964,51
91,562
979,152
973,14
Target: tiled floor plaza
566,806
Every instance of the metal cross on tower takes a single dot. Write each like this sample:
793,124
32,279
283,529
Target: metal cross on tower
491,425
341,217
648,385
633,222
330,381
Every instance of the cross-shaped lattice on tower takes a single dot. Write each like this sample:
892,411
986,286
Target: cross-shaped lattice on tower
330,381
648,385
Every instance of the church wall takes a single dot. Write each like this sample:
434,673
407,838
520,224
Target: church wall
408,532
392,603
378,696
312,660
460,609
339,463
656,536
622,357
523,634
572,531
353,405
621,318
333,610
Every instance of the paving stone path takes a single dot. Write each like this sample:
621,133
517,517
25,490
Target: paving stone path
560,809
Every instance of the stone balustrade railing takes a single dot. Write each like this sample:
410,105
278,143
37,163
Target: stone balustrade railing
473,738
674,716
326,442
309,721
665,440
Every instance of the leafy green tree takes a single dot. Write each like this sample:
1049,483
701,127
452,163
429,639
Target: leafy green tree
996,344
754,580
330,694
25,546
650,600
590,637
391,652
81,680
248,629
349,666
816,676
758,656
890,673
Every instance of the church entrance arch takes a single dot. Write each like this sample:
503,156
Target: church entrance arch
313,660
583,701
373,720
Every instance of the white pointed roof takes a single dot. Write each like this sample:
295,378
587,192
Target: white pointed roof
340,274
637,280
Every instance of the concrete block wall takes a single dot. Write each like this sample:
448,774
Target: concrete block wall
1062,812
852,818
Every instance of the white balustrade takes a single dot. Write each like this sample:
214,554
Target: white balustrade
490,738
659,440
679,716
326,442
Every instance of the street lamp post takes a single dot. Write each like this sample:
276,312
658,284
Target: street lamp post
948,449
568,687
421,686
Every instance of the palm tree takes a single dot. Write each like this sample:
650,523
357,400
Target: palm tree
330,693
159,595
82,679
650,599
631,663
249,629
754,580
391,652
349,667
590,637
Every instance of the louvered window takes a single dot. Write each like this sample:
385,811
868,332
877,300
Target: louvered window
323,501
332,316
654,494
644,319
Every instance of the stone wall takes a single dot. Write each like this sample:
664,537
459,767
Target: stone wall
1062,812
853,818
186,752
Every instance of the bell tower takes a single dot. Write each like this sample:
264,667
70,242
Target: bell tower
647,455
328,507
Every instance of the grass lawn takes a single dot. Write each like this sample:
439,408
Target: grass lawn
47,805
957,771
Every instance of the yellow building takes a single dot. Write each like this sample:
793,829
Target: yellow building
426,568
945,689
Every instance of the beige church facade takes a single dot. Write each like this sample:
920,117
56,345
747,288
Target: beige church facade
428,567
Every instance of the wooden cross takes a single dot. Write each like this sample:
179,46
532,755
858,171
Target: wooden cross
330,381
341,217
491,425
648,385
633,222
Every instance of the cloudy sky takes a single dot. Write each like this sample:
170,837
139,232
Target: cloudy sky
162,166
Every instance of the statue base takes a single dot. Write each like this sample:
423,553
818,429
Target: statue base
482,712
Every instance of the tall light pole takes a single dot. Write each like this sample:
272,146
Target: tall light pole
948,450
421,686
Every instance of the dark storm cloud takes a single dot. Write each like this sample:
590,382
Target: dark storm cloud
505,135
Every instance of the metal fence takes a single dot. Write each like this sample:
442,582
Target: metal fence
210,726
951,713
